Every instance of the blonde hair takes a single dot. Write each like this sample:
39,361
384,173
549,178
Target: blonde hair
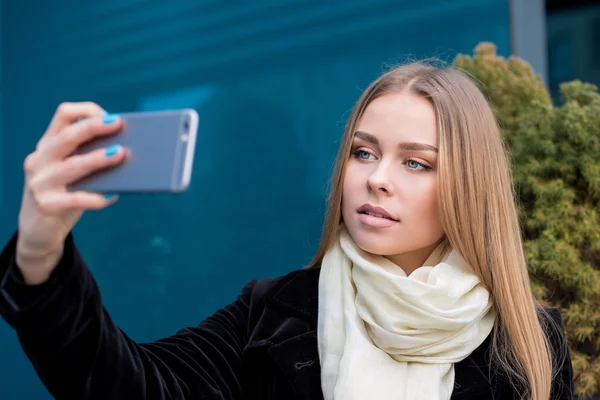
477,209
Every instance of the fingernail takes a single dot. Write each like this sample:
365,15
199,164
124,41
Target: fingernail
110,118
109,196
112,150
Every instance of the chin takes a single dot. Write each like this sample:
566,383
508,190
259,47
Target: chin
378,249
375,241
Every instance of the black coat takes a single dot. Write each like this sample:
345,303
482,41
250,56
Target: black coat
262,346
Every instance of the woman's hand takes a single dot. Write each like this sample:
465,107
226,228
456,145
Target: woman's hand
48,210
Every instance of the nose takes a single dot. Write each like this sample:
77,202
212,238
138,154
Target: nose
379,181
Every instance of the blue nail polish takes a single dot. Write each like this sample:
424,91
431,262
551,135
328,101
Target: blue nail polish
109,196
109,118
112,150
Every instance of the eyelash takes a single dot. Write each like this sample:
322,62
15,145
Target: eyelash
356,154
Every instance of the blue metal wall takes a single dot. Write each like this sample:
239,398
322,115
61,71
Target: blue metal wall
273,82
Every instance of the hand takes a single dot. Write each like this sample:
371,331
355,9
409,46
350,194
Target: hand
48,210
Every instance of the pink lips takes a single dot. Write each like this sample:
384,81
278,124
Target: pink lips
375,216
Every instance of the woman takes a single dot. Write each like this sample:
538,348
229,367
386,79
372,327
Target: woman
419,289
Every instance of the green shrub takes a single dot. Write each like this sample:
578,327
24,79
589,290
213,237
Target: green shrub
555,152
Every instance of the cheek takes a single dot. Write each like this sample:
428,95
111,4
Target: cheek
351,183
346,196
424,207
418,192
352,186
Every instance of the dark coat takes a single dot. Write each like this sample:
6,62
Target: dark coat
262,346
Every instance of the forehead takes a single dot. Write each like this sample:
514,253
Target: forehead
400,117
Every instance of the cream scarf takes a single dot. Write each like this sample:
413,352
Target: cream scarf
383,335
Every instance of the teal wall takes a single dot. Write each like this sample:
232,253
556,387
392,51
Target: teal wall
273,82
573,44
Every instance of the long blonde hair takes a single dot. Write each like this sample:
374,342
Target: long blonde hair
477,209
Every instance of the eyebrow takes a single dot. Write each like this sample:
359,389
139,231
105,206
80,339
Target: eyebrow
367,137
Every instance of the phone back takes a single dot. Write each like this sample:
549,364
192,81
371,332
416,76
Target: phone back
161,151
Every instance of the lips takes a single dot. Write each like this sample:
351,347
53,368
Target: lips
378,212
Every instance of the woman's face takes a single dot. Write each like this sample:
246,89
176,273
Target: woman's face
389,199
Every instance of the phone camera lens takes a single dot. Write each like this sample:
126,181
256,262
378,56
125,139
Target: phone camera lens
186,125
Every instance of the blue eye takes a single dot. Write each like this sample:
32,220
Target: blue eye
363,155
417,166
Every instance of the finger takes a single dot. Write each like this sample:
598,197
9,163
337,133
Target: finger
55,202
67,113
64,173
72,137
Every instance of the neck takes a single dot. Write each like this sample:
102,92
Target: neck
412,260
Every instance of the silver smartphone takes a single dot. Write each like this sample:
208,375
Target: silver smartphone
161,147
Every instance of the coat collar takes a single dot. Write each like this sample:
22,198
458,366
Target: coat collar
299,293
295,349
297,354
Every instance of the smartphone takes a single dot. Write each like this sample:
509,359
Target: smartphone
160,146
